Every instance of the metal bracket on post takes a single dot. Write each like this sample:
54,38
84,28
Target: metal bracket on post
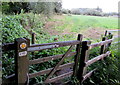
21,60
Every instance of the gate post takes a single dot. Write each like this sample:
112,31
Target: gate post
83,58
21,61
103,47
110,36
33,41
78,48
33,38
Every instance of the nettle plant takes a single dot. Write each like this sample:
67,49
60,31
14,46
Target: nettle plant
11,29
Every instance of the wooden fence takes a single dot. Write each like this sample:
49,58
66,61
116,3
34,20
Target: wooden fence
22,49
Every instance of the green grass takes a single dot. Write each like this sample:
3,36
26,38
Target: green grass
76,24
80,22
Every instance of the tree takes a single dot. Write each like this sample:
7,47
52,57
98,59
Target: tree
58,6
15,7
46,7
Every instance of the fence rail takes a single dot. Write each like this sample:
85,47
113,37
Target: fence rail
8,46
45,59
113,30
100,43
50,69
78,68
89,62
38,47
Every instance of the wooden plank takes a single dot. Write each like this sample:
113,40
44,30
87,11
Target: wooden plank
100,43
60,77
38,47
50,69
88,75
55,68
45,59
78,47
97,58
8,46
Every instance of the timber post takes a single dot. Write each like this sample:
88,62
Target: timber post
21,61
78,48
103,46
110,36
33,40
83,58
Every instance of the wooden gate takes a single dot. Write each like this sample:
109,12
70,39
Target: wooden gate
22,49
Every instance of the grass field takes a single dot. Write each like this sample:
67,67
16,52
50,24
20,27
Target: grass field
92,27
83,22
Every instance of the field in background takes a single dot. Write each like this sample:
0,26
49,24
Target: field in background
91,26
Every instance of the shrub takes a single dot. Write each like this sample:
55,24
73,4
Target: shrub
11,29
107,72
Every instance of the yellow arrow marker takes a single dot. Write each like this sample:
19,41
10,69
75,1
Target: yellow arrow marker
23,45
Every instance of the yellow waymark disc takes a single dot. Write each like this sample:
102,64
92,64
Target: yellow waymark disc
23,46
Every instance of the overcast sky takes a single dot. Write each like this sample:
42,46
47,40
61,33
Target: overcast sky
106,5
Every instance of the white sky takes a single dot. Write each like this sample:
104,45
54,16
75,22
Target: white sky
106,5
